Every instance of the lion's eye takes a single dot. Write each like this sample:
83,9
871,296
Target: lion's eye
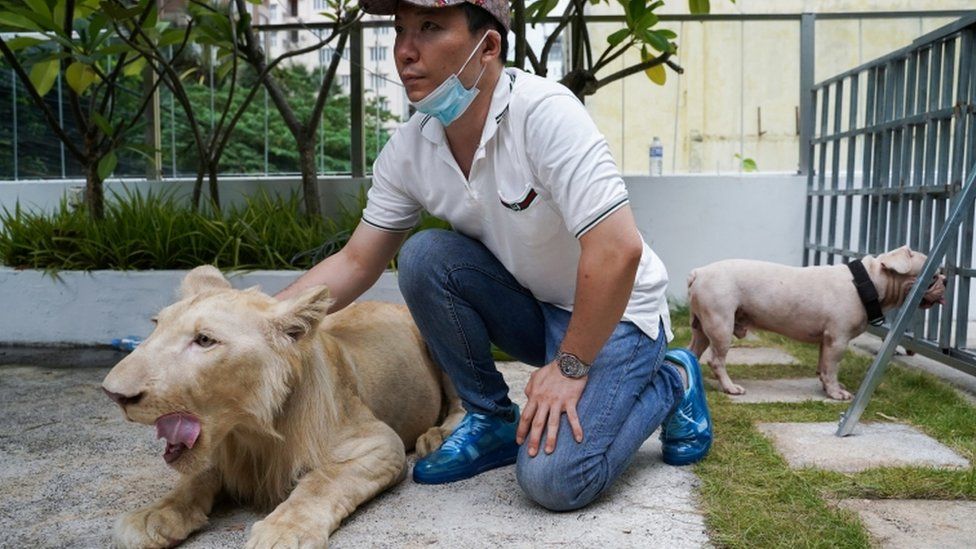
204,340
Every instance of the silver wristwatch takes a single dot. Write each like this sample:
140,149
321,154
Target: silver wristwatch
571,366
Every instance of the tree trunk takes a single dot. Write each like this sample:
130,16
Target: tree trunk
212,184
94,194
310,177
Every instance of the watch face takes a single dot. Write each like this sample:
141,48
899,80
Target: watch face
571,366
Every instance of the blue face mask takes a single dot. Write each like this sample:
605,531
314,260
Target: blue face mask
449,100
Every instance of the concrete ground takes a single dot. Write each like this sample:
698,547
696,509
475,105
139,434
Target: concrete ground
69,465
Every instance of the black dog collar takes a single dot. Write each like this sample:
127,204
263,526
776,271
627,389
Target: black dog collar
867,292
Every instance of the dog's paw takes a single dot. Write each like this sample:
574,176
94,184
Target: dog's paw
272,533
839,393
734,389
429,441
151,527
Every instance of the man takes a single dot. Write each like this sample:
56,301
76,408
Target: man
545,261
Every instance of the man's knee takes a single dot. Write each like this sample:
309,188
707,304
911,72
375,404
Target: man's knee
418,257
559,485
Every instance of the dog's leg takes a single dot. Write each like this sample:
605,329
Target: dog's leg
171,519
699,341
831,353
718,328
434,437
369,461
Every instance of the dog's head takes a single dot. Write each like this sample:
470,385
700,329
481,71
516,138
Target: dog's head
218,360
899,269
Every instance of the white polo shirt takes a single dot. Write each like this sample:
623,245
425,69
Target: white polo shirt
541,178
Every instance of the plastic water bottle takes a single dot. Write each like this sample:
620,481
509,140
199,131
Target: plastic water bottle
127,343
656,153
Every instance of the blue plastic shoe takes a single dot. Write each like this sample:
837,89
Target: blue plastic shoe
686,435
479,443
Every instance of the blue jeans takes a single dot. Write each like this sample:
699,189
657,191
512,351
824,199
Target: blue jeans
463,299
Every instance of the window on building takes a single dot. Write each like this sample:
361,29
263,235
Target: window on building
382,30
378,80
377,53
273,13
293,7
344,80
293,35
273,39
321,5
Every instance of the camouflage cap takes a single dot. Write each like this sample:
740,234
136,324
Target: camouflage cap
498,8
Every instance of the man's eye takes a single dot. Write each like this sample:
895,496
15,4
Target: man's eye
427,25
204,340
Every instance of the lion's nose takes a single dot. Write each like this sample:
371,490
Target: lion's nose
123,400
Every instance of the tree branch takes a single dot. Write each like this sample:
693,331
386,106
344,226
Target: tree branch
634,69
39,102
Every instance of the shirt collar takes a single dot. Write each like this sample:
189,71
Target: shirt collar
433,130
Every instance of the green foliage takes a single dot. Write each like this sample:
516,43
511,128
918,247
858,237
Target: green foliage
158,231
245,150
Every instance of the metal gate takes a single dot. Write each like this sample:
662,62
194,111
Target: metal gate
890,159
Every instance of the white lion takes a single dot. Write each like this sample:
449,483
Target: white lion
276,404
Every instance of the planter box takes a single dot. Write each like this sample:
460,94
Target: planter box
90,308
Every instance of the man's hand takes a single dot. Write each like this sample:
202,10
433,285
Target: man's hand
550,395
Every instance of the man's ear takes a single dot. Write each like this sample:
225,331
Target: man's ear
300,315
201,279
493,45
898,261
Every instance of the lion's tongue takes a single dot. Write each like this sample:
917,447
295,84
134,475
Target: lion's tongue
178,428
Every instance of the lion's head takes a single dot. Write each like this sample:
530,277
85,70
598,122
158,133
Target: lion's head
220,360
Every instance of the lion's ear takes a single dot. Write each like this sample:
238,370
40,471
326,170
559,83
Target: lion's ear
299,316
899,261
201,279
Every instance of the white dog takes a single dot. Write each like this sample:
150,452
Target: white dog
810,304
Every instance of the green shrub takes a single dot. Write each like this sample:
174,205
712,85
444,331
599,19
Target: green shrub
156,231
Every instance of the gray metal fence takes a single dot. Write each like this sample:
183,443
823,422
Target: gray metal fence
893,149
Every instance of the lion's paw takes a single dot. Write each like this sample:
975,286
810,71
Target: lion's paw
151,527
267,533
429,441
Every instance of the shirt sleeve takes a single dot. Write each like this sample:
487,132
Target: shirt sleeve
572,160
389,207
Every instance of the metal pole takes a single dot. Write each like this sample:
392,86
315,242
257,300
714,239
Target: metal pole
13,85
61,121
356,113
807,49
964,201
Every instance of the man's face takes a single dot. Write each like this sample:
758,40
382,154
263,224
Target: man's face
432,43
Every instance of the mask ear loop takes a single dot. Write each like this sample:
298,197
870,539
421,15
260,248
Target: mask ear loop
470,57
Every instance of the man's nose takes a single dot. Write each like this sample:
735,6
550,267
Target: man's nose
404,50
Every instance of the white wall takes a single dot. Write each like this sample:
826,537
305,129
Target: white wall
690,221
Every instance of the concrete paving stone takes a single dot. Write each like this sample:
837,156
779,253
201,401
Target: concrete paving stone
922,524
755,355
70,465
872,445
780,390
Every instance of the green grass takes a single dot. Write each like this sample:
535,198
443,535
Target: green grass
752,498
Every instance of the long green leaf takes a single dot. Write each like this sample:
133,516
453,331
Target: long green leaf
699,7
18,22
80,76
618,36
43,75
21,42
106,165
